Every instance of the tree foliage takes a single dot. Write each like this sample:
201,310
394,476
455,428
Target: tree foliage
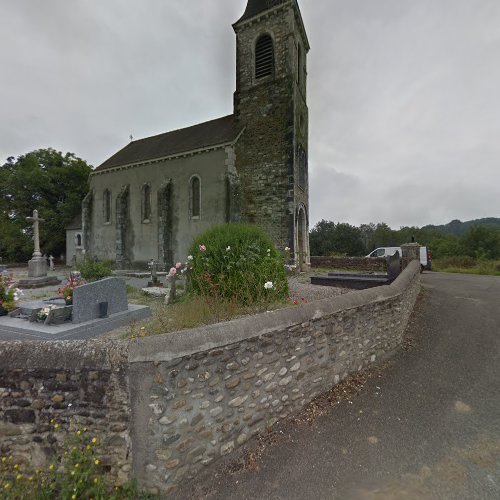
48,181
328,238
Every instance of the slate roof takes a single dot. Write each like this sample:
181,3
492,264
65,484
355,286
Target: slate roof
76,223
255,7
211,133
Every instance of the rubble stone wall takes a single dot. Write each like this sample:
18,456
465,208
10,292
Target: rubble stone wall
49,390
165,408
201,395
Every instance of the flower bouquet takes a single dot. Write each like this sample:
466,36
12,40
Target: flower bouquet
42,314
8,296
66,292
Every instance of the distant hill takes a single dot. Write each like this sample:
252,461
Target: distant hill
458,228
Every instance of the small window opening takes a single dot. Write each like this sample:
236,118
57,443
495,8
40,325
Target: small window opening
299,64
146,203
195,197
78,240
264,57
107,206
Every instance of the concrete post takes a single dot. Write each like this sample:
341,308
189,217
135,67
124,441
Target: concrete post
410,251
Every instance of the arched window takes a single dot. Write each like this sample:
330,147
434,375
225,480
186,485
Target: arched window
195,197
107,206
264,57
146,203
78,240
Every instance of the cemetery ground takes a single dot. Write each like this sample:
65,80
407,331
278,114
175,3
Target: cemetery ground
182,314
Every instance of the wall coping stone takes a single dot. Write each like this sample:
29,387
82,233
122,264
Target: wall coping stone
167,347
63,355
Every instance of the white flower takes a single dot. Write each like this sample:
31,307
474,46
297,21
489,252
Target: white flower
228,249
269,285
287,249
190,258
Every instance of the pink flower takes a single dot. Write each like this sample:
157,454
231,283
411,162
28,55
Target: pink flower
172,272
178,265
203,248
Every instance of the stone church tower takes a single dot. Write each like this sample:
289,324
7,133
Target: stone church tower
155,195
270,103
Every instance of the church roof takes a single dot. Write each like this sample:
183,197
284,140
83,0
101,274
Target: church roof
255,7
76,223
201,136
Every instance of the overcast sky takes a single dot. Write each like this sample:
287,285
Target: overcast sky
404,95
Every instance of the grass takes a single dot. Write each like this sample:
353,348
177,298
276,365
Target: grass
466,265
192,311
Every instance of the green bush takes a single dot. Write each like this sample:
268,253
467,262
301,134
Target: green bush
237,262
93,269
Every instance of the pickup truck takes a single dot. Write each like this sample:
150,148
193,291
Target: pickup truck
425,255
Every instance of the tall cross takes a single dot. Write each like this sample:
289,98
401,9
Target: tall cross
36,234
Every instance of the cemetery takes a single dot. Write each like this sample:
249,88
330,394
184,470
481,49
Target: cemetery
89,310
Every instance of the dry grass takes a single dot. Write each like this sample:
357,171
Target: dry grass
191,312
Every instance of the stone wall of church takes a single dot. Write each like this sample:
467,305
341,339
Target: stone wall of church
143,240
265,152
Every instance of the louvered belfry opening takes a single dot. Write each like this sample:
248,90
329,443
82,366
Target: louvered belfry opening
264,57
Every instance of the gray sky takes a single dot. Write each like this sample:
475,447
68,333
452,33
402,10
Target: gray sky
404,95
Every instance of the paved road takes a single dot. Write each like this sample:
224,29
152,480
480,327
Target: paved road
428,427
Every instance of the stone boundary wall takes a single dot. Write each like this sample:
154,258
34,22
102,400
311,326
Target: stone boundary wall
356,263
74,384
166,408
201,394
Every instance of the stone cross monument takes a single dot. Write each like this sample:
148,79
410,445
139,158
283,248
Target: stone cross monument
37,266
36,233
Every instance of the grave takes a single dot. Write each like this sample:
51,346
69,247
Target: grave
361,281
97,308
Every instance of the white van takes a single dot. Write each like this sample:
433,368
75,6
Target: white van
425,255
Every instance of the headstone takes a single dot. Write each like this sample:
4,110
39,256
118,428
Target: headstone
393,266
153,266
58,316
86,299
51,262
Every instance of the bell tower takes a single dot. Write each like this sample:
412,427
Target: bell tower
270,103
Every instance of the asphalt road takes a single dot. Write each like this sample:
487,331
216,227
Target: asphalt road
427,427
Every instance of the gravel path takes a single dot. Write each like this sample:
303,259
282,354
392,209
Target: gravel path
300,288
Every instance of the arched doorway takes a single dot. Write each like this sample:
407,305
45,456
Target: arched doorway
302,240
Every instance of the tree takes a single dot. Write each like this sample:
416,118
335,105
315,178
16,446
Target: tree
48,181
328,238
481,242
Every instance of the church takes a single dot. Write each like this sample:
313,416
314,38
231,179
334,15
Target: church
151,198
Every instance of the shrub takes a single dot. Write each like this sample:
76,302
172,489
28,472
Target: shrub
237,262
93,269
